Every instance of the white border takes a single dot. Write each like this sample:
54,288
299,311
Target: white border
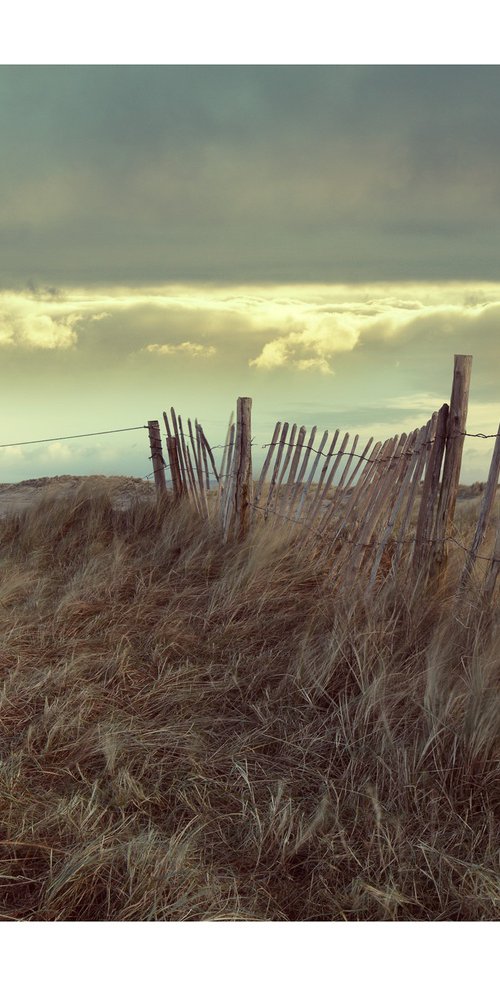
263,32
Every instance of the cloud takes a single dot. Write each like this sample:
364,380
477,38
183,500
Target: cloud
318,336
25,325
194,349
58,452
311,345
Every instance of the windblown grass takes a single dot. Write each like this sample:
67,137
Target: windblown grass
196,731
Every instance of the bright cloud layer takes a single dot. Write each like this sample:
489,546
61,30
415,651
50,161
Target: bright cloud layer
303,327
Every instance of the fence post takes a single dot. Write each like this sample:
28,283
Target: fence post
157,457
243,466
457,420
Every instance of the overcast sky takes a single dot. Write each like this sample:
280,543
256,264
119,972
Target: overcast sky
249,173
323,239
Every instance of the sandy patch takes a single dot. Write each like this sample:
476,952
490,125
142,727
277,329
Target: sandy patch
17,497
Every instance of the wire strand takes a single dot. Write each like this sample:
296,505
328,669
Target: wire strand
63,438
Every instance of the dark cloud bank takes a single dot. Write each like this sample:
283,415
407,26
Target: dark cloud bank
220,173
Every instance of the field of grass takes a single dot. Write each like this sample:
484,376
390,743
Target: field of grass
195,731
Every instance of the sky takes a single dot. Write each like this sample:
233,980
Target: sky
320,238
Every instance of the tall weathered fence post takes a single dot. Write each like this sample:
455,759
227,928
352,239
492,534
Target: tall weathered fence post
457,420
243,467
157,457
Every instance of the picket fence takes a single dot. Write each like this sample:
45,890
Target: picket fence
372,512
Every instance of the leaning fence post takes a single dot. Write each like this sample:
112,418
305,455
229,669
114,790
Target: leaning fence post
455,436
157,457
243,466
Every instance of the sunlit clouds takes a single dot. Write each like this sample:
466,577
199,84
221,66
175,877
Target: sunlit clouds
193,349
28,324
299,327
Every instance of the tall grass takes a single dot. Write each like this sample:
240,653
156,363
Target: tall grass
196,731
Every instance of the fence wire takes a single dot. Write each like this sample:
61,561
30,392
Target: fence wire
339,538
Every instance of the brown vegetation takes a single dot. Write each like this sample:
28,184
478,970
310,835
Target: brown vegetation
191,730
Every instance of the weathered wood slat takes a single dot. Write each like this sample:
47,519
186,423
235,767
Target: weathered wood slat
402,485
274,476
167,425
294,465
191,485
227,502
307,448
457,421
359,491
361,494
226,476
485,512
310,478
361,464
208,451
331,474
369,480
175,473
316,501
196,495
430,493
225,452
198,474
265,468
276,517
423,453
197,463
376,504
182,464
339,490
202,456
494,569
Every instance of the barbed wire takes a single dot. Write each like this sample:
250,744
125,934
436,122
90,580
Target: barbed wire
479,434
371,544
407,454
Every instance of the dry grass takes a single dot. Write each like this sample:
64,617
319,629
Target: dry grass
191,731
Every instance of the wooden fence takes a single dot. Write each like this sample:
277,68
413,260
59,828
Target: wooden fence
373,510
